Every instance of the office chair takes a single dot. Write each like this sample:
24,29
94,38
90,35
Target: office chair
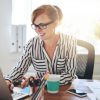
85,61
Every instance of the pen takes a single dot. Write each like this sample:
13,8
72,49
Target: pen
40,87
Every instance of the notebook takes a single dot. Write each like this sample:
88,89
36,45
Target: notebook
19,93
16,95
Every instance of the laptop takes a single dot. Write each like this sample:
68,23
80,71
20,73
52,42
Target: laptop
16,95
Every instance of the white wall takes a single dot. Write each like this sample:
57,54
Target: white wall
7,60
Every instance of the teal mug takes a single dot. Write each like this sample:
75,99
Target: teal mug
53,83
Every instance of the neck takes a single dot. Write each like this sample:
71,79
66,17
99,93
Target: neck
52,40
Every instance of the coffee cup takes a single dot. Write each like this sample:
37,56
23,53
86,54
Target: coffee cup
53,83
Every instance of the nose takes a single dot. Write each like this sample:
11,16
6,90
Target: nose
38,29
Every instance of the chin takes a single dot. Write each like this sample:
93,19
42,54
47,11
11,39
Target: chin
43,38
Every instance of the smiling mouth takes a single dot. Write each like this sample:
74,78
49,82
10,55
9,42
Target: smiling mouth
41,34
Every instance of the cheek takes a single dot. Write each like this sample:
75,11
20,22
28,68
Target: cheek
50,30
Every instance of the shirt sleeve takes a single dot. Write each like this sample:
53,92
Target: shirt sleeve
70,64
22,66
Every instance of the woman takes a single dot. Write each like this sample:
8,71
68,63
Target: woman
50,50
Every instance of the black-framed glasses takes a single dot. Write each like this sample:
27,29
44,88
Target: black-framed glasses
41,25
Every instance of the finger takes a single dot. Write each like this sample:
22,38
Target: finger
24,82
11,86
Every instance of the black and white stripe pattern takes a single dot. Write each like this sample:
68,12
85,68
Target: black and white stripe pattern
63,62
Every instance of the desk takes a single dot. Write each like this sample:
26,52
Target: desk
77,83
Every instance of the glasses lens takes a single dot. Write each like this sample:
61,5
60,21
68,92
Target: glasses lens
33,26
41,25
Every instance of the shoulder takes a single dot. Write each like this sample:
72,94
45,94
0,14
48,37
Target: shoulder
68,38
33,40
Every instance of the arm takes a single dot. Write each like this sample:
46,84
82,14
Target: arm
22,66
70,64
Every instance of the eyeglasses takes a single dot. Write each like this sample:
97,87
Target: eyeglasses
41,25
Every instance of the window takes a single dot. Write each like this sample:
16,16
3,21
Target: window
81,17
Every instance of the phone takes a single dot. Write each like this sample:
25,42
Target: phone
77,92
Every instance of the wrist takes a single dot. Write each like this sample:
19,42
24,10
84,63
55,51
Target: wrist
8,80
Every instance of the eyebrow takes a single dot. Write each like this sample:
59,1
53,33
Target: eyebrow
43,23
40,24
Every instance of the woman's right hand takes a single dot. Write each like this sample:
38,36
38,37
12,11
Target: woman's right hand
10,85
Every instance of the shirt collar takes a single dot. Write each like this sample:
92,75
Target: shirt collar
41,42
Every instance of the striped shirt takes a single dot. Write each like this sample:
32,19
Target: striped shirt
63,62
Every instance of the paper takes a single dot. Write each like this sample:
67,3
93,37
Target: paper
91,96
95,88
